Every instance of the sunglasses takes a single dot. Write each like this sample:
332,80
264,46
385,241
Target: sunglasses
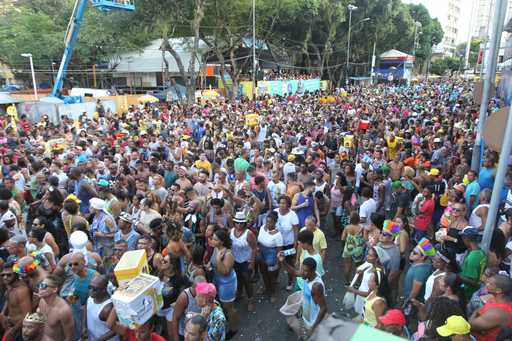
75,264
6,274
93,288
43,285
387,235
458,210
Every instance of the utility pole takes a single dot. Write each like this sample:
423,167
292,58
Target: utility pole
94,75
254,50
468,44
350,9
34,83
372,71
491,61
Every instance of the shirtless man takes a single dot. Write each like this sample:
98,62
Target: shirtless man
19,301
60,325
33,326
396,167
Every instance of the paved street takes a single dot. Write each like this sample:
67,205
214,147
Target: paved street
268,324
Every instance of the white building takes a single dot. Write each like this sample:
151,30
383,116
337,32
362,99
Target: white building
448,12
144,69
482,25
484,11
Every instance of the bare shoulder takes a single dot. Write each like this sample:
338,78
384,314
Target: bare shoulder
63,307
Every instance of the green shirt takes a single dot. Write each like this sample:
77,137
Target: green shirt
418,272
473,266
170,177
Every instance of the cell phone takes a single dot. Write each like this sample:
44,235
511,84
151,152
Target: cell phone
289,252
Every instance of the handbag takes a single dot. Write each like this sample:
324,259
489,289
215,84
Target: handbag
349,300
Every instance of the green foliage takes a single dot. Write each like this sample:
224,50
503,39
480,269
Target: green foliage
313,33
429,34
442,66
473,51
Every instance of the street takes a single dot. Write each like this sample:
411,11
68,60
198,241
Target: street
267,323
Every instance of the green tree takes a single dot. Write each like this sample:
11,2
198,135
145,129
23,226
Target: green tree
474,50
444,65
429,34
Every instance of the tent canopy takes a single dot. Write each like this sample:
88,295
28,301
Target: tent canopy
396,55
5,98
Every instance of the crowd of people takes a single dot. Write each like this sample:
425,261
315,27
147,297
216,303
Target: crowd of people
222,205
275,75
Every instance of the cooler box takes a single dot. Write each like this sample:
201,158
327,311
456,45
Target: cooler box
364,124
131,264
137,302
348,141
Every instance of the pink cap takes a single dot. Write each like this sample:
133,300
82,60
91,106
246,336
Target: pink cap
206,289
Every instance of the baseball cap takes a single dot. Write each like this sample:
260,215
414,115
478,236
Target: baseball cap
433,172
393,316
454,325
469,231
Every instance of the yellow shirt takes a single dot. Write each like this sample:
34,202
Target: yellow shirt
392,146
369,315
319,241
206,165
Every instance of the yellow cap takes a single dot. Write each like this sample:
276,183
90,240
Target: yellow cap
455,325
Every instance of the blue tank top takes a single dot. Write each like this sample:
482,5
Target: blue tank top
81,286
83,196
486,178
221,279
303,213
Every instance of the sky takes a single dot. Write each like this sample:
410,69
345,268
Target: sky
435,11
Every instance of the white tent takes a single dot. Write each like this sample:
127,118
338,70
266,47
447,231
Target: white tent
5,98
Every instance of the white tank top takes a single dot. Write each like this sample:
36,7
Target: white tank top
475,220
241,248
429,284
95,326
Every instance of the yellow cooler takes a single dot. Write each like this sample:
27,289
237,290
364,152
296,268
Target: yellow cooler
131,264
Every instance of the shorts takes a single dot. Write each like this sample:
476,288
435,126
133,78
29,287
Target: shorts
242,268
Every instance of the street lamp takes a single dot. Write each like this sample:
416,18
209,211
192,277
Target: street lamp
29,55
351,8
417,26
53,72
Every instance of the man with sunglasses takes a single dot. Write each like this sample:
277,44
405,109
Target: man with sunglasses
60,324
19,301
99,306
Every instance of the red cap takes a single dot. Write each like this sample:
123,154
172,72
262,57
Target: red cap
393,316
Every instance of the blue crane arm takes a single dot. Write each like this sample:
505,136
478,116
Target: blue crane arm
71,37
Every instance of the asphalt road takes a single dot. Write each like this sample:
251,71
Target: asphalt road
267,323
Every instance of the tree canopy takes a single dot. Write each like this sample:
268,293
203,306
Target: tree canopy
313,34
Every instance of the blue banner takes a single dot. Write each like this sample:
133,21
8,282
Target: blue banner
287,87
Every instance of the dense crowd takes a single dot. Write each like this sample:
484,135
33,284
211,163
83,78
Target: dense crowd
274,75
225,196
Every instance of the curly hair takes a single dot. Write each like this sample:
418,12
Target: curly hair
439,310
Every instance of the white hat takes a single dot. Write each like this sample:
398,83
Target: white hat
8,216
297,151
437,140
97,203
78,240
240,217
126,217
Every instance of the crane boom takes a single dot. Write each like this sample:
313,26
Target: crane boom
71,37
74,28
